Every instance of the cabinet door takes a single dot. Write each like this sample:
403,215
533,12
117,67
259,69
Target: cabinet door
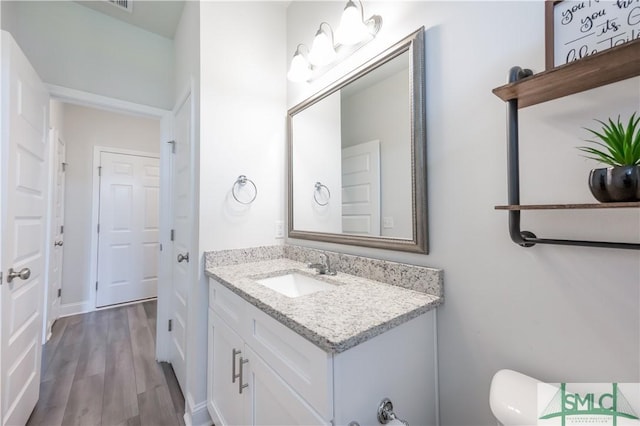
271,401
225,403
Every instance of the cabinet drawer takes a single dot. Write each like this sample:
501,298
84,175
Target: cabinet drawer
227,305
305,367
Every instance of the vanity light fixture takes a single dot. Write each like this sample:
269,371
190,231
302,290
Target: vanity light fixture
353,33
300,69
322,51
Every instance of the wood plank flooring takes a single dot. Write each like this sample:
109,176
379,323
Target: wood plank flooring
99,369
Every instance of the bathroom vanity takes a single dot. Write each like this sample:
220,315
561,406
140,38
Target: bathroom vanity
291,346
326,357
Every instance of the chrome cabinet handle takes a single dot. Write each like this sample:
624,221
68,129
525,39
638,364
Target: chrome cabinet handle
234,353
58,243
182,257
23,274
243,361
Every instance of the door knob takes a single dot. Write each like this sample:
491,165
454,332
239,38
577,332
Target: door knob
182,257
58,243
23,274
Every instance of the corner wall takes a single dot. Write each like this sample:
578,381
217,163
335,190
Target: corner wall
555,313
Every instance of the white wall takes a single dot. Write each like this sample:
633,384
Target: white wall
242,131
382,112
243,87
316,158
73,46
187,48
84,129
555,313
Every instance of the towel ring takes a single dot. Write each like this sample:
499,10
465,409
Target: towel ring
319,187
240,182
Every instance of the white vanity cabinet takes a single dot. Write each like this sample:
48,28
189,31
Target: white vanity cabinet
261,372
244,390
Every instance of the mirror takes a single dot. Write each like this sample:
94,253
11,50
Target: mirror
357,156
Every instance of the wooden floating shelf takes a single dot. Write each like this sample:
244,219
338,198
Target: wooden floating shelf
630,204
606,67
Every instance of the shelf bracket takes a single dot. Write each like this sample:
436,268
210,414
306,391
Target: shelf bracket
518,236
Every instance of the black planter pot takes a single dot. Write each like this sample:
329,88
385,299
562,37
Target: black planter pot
615,184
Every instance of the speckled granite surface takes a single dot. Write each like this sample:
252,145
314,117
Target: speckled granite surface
418,278
236,256
357,309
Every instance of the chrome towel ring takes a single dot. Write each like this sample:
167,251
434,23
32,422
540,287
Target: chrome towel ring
318,190
238,184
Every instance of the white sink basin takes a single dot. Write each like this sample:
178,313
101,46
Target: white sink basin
294,284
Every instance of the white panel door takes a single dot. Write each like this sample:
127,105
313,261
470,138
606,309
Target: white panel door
24,189
57,231
128,228
361,189
182,226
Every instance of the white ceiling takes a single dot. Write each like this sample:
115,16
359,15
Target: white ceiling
160,17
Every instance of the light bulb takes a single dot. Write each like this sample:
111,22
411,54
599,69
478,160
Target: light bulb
322,52
351,30
300,69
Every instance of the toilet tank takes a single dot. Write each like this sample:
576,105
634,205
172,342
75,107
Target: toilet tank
513,398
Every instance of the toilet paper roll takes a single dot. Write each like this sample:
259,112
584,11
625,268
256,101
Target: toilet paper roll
395,422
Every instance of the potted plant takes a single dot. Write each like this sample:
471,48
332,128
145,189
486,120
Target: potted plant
618,146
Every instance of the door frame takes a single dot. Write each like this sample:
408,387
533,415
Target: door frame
95,214
79,97
163,338
54,136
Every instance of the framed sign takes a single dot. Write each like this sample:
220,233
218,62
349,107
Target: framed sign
575,29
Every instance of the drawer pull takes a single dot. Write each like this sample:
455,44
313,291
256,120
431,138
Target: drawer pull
240,385
234,376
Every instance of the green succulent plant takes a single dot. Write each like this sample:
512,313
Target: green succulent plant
615,144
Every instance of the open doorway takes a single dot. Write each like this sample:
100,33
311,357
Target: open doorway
174,143
85,132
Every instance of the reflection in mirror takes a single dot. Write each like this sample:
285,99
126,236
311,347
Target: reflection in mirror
356,141
356,150
376,152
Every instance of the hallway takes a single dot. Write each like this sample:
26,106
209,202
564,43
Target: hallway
99,368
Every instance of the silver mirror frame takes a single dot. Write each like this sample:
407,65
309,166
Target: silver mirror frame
414,44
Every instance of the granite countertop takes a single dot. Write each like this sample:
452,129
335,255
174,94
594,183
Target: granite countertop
335,320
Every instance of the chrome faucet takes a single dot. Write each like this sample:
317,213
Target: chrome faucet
323,268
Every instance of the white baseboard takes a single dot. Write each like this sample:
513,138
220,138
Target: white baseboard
83,307
68,309
196,414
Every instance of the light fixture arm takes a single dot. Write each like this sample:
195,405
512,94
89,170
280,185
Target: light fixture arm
320,29
299,51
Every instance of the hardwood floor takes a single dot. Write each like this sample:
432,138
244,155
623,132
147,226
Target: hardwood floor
99,369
